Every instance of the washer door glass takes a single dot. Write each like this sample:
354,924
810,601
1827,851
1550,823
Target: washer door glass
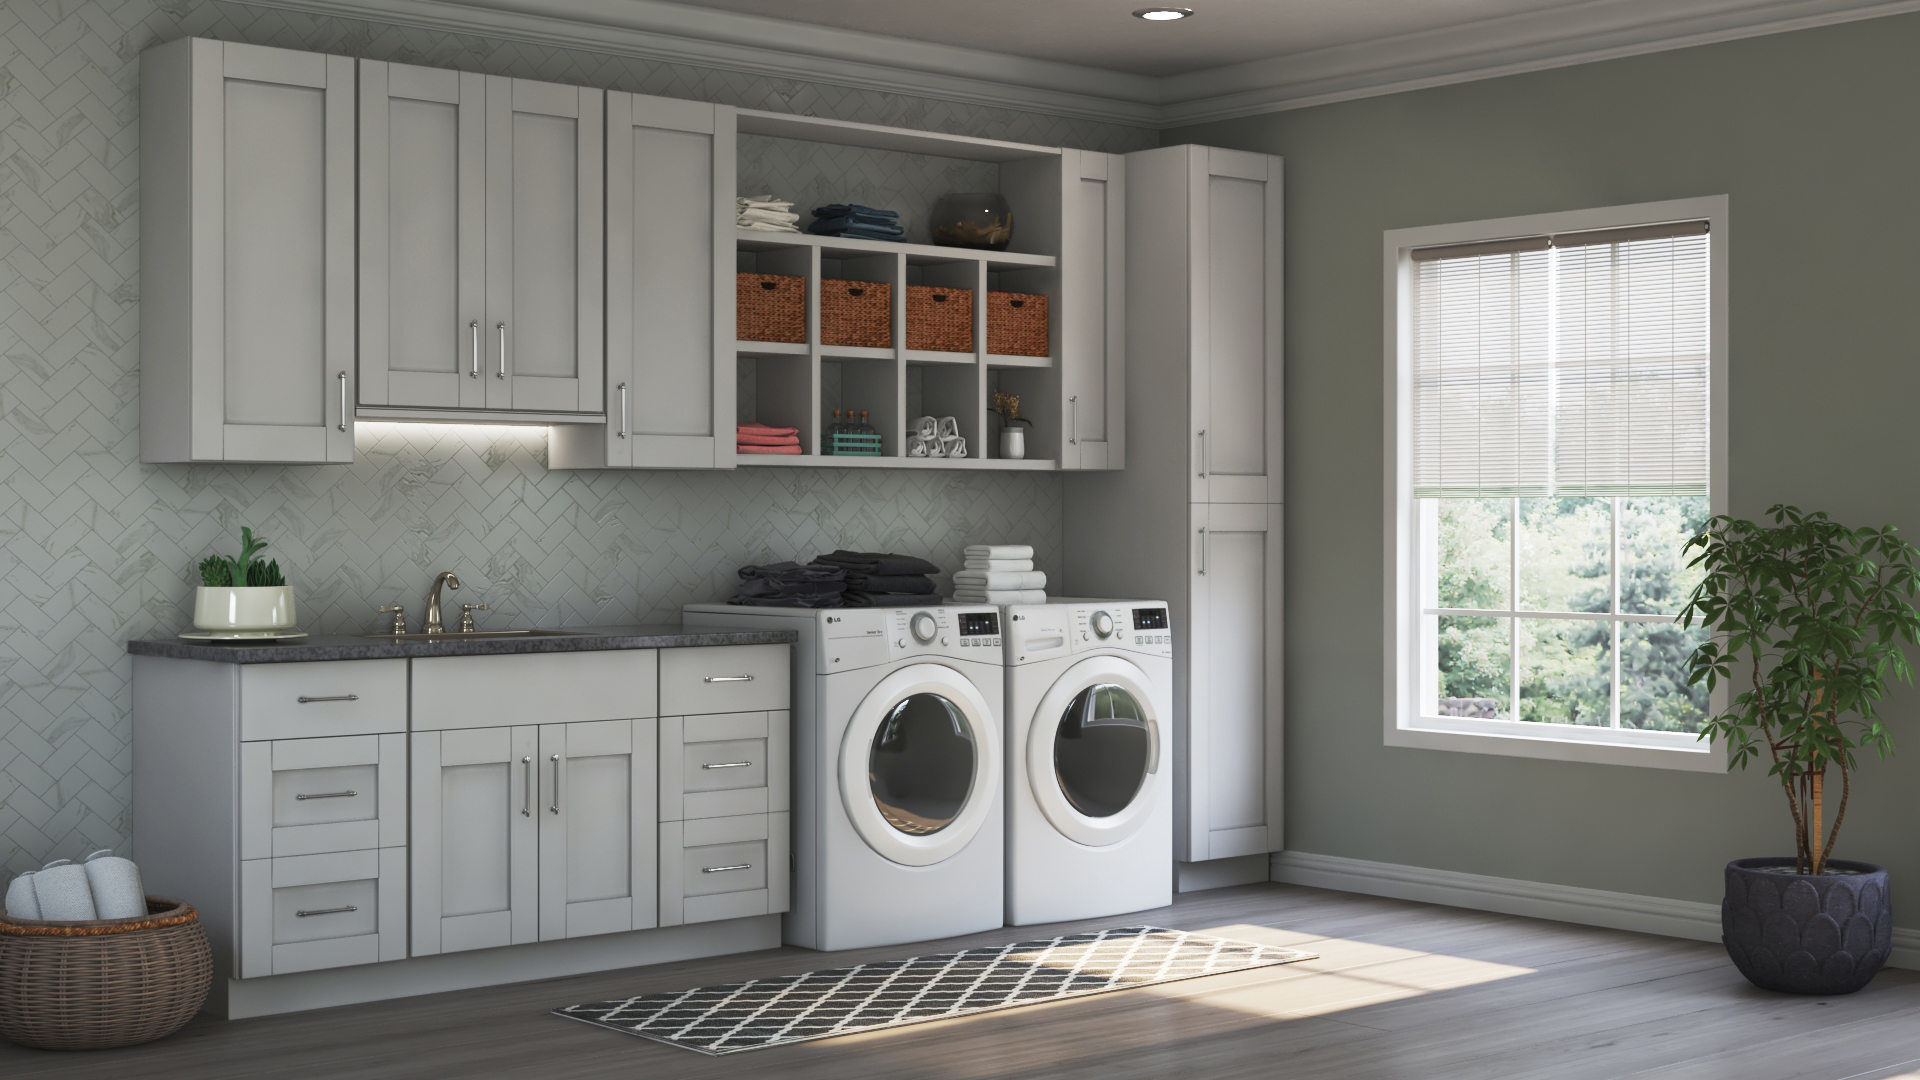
921,764
1102,749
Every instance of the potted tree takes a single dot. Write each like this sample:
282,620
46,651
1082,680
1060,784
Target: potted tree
245,596
1811,615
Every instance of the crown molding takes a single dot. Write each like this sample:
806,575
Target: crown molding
680,33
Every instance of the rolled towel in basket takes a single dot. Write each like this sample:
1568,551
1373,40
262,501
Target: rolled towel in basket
116,886
62,890
926,427
21,903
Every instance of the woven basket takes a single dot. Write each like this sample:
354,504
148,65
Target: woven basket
1017,324
105,983
856,313
770,307
939,318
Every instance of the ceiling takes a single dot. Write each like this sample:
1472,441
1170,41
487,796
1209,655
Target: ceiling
1104,33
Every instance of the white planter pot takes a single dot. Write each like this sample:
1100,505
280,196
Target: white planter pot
1013,443
244,607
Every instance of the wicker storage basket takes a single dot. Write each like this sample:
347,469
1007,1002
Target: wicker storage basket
939,318
856,313
106,983
770,307
1017,324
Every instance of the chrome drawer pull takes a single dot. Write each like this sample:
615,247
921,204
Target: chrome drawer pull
724,869
305,700
729,678
526,787
555,807
727,765
327,795
325,911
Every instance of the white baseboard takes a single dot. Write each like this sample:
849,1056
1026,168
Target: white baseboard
1221,873
1690,919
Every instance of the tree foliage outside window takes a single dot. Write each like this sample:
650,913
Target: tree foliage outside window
1592,636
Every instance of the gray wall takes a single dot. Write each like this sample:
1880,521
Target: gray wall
1812,136
96,548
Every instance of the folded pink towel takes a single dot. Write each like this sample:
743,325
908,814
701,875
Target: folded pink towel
790,448
762,429
768,440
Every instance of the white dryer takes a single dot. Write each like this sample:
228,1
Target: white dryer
1089,779
898,820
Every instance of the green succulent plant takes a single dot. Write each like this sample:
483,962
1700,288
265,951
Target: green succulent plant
219,572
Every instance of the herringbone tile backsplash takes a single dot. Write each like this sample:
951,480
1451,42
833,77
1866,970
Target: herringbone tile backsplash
96,548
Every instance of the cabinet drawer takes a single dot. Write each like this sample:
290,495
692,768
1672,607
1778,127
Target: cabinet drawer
327,697
723,868
310,796
723,765
321,911
724,678
534,688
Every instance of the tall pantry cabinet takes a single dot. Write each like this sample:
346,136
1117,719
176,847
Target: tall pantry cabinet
1196,517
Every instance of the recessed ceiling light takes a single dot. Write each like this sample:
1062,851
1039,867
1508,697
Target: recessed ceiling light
1163,14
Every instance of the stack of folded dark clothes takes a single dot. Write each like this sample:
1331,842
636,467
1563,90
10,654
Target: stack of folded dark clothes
788,584
883,580
854,220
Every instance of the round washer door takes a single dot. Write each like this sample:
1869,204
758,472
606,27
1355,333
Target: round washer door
920,765
1093,752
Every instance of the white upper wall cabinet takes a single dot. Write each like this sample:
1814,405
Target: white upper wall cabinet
481,258
670,383
246,254
1091,326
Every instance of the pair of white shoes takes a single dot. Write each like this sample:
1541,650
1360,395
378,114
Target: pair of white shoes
936,437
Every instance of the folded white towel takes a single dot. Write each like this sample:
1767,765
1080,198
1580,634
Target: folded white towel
926,427
1001,596
998,551
1002,580
998,565
766,202
777,217
768,226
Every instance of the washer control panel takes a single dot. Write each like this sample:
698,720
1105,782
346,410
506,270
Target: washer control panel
1036,632
951,631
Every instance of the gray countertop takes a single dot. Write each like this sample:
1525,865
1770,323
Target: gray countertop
356,647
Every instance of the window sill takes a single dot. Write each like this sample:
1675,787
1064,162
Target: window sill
1600,746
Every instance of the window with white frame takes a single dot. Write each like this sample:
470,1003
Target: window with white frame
1555,422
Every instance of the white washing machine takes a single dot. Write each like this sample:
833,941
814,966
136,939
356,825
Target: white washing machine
1089,777
898,821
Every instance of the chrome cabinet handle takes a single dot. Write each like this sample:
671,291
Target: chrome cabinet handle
305,700
1073,416
474,328
325,911
327,795
623,411
1203,452
724,869
728,678
554,807
727,765
343,401
526,787
502,329
1203,551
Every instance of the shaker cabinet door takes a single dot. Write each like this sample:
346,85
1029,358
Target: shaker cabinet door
1092,322
1234,282
475,872
422,236
597,805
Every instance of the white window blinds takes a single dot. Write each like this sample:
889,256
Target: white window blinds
1573,364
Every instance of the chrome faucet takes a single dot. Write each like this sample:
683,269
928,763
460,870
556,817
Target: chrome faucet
432,624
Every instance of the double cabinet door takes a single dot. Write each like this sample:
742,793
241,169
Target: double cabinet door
533,833
481,243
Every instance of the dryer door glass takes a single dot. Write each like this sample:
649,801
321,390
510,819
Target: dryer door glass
1101,750
921,764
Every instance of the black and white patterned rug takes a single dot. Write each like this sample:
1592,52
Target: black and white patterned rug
759,1013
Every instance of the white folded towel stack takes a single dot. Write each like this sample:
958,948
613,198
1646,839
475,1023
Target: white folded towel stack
765,213
999,574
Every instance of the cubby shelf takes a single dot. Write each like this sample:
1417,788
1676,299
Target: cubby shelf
917,254
1004,360
830,461
932,356
771,348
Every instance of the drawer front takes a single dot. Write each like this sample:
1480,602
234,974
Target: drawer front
313,796
723,868
452,692
306,912
330,697
724,679
723,765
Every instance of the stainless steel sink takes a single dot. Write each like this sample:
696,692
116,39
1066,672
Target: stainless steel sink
471,635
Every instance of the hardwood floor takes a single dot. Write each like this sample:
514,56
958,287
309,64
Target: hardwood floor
1400,990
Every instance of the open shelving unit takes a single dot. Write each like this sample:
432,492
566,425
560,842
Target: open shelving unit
801,384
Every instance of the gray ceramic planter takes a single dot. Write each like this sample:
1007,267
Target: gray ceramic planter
1800,934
